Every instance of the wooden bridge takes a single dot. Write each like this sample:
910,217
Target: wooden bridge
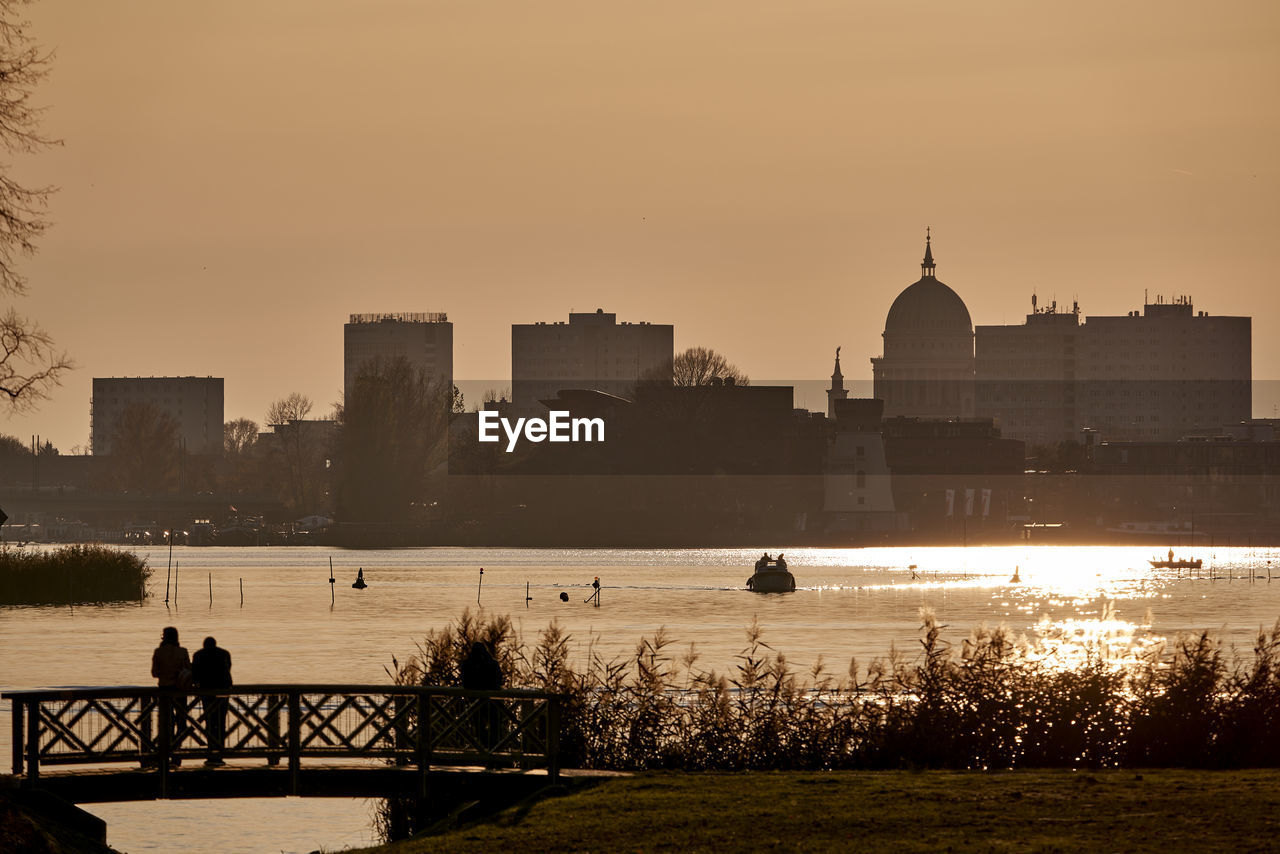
89,745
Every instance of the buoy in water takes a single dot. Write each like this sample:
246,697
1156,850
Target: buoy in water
359,584
1015,579
564,597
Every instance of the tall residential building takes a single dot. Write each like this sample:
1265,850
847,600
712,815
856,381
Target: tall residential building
194,403
927,367
1156,375
1165,373
425,339
591,351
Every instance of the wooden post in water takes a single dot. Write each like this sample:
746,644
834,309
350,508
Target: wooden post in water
242,593
479,584
169,570
331,581
175,585
211,590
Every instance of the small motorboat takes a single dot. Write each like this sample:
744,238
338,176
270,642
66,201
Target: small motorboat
772,576
1175,563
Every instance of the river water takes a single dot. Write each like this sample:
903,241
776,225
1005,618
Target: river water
271,607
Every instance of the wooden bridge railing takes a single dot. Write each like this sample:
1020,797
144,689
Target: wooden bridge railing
400,725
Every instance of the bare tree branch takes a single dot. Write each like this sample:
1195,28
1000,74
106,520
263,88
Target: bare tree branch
22,66
29,365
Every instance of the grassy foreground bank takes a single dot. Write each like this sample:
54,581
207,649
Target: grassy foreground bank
888,811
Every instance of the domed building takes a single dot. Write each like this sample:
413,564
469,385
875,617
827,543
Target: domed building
927,367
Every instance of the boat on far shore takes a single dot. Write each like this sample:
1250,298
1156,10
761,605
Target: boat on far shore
771,576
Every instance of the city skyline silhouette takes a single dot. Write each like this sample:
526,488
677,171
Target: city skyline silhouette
233,185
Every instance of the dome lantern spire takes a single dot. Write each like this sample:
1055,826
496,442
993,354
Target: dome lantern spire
927,266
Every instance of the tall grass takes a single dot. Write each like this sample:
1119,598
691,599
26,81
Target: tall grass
991,701
71,575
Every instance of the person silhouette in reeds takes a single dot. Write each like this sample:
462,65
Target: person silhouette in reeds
211,669
480,671
171,666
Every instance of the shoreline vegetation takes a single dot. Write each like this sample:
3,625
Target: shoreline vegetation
991,701
71,575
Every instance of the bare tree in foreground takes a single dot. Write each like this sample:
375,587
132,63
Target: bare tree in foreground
30,366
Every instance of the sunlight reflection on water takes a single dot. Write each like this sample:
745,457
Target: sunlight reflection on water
850,602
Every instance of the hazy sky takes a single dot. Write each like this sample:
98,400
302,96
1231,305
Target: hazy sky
238,177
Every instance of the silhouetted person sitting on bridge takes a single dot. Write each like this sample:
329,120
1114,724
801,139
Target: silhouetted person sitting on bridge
171,666
481,672
211,668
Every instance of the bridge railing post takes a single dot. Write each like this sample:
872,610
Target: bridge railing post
16,738
295,740
530,710
422,744
402,743
164,740
274,741
33,742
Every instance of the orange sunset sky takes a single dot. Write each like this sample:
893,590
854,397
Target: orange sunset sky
238,177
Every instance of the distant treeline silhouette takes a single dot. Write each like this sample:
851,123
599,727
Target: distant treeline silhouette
991,702
71,575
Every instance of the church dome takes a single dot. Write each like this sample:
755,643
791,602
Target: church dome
928,306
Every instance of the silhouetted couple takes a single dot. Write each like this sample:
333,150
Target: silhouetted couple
480,671
211,669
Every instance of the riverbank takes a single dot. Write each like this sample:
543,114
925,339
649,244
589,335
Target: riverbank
36,823
890,811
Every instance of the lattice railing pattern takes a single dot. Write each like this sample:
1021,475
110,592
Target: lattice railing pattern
99,725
